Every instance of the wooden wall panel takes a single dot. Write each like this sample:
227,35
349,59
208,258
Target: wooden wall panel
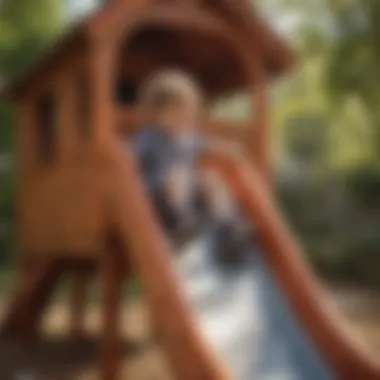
64,214
59,205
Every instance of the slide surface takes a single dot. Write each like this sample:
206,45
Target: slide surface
245,316
267,320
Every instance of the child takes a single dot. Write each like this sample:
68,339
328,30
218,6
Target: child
167,148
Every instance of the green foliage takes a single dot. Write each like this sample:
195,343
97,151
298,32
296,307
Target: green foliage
25,27
362,256
5,127
356,54
355,57
363,187
328,131
6,216
306,137
340,235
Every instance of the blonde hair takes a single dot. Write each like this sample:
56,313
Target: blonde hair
169,87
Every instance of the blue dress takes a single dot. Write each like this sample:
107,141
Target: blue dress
156,153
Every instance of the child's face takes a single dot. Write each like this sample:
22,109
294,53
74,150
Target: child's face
179,117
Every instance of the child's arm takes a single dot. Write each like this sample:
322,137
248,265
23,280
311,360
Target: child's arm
215,191
217,195
223,148
204,145
175,186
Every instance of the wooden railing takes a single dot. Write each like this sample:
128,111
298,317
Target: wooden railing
129,120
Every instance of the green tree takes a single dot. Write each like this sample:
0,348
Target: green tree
355,57
327,124
26,26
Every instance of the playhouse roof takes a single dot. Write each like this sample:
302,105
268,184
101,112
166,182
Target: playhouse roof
277,56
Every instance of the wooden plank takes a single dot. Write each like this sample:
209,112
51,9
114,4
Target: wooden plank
189,353
111,277
77,304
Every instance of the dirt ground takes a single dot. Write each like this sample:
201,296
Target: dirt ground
55,358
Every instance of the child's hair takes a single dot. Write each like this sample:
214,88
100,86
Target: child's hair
169,87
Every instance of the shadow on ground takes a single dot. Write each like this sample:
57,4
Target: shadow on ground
58,358
54,359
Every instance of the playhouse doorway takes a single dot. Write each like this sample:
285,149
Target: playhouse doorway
207,58
214,63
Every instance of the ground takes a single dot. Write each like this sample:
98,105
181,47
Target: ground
56,359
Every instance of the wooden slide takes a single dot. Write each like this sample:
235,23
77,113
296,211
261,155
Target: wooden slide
182,333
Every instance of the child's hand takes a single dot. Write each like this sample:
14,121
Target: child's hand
177,187
225,149
218,194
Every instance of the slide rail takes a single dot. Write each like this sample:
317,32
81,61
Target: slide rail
342,351
150,256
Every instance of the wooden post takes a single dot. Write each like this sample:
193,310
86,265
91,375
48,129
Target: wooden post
264,156
67,122
111,280
103,64
78,298
259,142
37,283
23,313
103,110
